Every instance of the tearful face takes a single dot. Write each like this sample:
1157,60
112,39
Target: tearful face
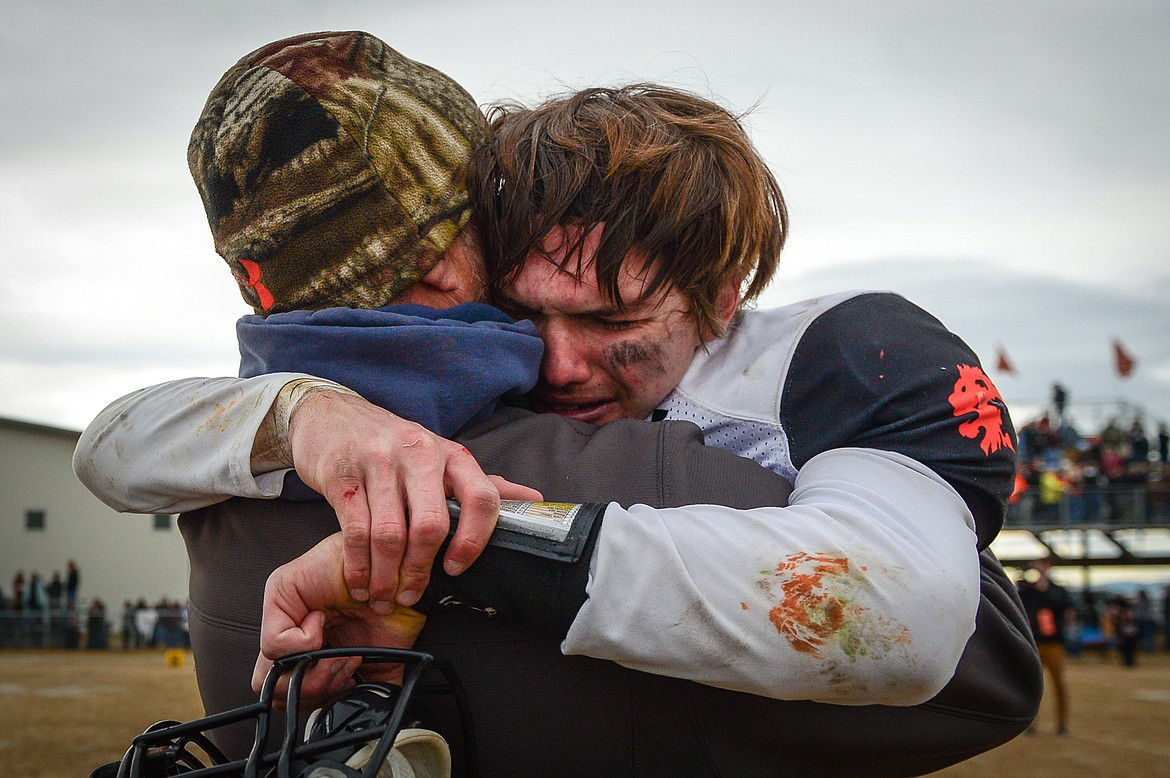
602,363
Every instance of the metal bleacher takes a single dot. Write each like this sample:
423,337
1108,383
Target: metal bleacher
1120,524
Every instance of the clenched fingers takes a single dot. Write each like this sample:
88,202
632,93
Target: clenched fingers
322,682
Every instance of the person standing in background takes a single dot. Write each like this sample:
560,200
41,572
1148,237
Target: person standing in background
1166,617
72,583
18,590
1048,607
56,589
129,630
1143,617
1128,632
97,628
35,599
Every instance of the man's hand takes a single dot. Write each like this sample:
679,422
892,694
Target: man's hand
307,606
388,479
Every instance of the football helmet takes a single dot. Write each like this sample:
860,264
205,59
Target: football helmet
352,736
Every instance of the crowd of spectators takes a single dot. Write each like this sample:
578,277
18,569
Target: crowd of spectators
1118,474
162,625
1125,625
39,614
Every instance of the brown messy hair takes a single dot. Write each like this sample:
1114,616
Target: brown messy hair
668,173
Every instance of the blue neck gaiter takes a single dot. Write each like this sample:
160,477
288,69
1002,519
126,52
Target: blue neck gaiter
444,369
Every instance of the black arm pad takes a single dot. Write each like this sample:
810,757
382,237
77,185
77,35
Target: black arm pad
526,574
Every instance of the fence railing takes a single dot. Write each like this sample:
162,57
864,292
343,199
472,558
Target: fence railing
1122,505
64,628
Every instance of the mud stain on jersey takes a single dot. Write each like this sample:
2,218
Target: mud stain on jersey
819,605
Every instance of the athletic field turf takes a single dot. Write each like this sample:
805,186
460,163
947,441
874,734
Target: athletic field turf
64,712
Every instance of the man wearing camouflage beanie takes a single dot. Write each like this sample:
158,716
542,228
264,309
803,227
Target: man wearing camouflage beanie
332,170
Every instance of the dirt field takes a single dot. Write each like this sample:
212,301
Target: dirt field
63,713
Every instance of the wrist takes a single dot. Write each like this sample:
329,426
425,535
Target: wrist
272,448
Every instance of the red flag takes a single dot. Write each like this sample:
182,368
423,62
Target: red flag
1125,362
1003,364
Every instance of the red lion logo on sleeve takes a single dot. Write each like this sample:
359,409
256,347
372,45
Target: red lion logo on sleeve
974,393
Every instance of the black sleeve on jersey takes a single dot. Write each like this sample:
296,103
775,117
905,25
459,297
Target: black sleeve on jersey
879,372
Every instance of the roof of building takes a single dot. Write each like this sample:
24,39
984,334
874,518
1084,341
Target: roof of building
39,429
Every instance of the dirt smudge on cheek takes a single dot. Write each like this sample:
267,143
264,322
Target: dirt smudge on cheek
643,354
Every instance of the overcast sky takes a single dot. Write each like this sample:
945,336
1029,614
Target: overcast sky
1006,165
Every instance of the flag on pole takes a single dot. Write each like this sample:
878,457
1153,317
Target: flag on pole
1002,363
1125,361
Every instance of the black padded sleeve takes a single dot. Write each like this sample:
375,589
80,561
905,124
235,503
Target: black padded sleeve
879,372
520,581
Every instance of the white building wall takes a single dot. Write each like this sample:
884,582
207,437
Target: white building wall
120,556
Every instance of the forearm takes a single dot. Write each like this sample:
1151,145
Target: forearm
621,463
181,445
862,591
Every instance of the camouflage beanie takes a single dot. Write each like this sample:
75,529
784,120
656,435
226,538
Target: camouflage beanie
332,170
